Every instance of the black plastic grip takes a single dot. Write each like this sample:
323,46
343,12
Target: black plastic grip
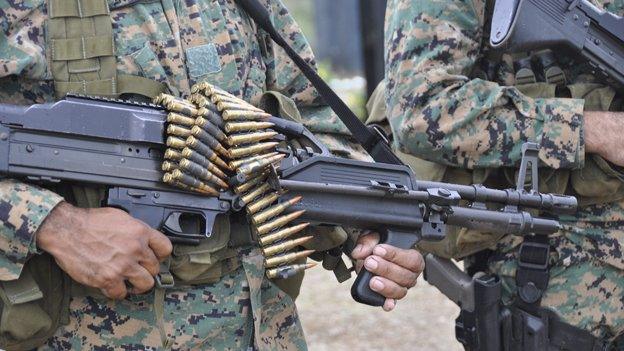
361,290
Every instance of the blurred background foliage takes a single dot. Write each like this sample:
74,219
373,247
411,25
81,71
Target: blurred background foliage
335,31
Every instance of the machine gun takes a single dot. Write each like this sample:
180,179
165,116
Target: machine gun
114,144
120,146
577,25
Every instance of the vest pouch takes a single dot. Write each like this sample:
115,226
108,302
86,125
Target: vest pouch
34,305
550,180
597,96
535,90
598,181
202,263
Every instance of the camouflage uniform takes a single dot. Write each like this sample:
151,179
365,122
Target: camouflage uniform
178,43
441,109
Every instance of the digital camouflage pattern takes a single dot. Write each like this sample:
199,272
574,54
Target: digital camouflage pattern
586,283
432,49
440,111
219,316
178,43
24,207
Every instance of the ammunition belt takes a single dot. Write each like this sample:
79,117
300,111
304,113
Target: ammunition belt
218,142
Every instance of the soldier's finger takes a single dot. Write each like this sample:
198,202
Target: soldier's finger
159,243
140,278
387,288
410,259
149,261
401,276
389,305
115,290
365,244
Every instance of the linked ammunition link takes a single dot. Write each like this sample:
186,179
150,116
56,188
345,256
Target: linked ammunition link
213,137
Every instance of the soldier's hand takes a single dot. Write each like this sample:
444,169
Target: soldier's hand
396,270
603,135
103,248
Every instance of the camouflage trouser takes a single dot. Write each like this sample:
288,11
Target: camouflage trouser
586,286
228,315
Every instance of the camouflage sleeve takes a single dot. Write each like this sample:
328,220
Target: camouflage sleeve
23,208
436,112
284,77
21,42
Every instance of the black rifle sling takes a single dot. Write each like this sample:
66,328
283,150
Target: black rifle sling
371,140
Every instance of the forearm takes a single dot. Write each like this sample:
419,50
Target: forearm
481,124
439,113
603,135
23,208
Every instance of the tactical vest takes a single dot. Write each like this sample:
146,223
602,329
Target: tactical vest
80,51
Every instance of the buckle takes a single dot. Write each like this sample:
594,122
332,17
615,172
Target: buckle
164,281
533,255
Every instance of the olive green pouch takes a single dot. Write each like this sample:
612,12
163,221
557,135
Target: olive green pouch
203,263
538,89
34,305
598,181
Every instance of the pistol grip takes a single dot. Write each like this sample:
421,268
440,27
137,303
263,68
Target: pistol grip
361,291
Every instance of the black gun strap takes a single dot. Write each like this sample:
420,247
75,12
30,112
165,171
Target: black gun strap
371,140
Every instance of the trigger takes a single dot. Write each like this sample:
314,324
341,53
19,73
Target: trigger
172,224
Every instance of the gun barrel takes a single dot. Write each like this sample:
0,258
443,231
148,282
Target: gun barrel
559,204
519,223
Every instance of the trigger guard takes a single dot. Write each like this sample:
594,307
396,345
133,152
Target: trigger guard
172,227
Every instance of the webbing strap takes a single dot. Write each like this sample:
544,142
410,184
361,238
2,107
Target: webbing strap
22,290
125,84
532,273
82,52
372,141
164,280
74,8
82,48
159,312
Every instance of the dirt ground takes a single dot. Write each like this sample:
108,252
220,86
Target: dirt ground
424,320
